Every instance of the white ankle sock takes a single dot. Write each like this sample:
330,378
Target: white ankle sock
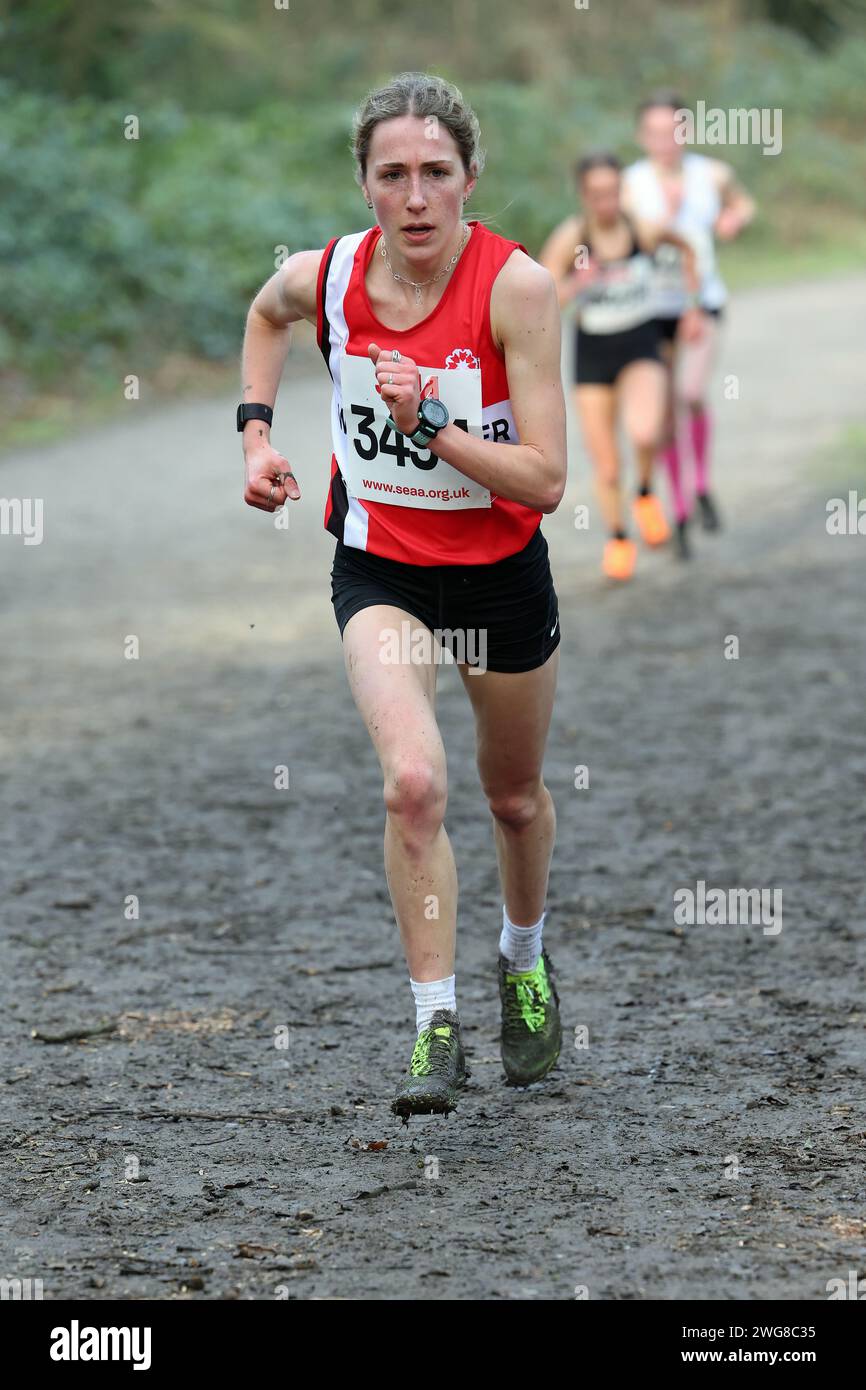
521,946
431,995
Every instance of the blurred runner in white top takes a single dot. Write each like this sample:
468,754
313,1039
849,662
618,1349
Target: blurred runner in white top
701,199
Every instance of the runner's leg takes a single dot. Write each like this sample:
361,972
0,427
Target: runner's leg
641,394
596,408
670,452
696,367
397,704
512,717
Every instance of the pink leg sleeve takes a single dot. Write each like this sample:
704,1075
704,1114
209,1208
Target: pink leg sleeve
699,426
671,457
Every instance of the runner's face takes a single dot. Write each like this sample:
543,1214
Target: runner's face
599,191
656,135
416,182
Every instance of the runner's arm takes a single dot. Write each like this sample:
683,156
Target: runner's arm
651,236
738,207
288,297
524,320
626,199
285,299
558,256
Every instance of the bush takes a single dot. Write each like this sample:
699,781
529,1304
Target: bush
114,249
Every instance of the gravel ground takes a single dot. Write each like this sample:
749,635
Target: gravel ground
709,1141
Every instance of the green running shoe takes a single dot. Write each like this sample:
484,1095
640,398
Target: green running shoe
437,1070
531,1028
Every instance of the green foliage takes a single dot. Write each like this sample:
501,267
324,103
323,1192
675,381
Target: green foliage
822,22
123,250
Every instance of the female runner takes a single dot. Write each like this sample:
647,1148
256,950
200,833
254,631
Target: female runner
700,199
601,260
448,435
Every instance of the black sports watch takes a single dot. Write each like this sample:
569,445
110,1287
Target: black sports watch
432,417
254,411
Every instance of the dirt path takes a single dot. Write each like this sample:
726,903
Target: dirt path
183,1150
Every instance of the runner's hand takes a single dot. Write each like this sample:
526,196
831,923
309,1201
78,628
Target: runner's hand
570,287
586,275
403,394
728,224
693,325
265,468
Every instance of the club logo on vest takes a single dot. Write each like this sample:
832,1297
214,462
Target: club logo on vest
462,357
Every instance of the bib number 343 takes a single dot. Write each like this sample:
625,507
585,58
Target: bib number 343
381,465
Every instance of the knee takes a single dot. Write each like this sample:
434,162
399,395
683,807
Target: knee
643,438
517,809
415,796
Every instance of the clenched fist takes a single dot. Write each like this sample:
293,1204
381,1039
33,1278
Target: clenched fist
729,224
399,385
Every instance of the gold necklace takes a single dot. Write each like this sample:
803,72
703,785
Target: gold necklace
417,285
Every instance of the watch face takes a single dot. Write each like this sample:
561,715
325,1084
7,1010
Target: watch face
434,413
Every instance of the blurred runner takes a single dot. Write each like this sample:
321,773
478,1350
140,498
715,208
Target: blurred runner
601,262
448,430
699,198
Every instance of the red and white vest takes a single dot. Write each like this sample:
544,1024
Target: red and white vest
386,496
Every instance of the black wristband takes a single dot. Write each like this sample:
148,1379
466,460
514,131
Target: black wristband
254,412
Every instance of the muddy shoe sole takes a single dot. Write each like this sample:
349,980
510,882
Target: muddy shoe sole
405,1106
437,1072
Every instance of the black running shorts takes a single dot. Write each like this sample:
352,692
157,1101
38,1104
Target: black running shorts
500,617
668,327
600,357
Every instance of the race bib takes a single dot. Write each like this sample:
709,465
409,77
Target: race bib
619,298
669,276
382,465
669,270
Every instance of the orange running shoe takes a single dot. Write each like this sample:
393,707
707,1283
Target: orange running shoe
619,559
651,520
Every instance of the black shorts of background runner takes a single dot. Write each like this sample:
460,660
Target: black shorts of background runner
512,603
600,357
668,327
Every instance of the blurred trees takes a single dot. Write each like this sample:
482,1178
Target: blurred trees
822,22
230,54
245,115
